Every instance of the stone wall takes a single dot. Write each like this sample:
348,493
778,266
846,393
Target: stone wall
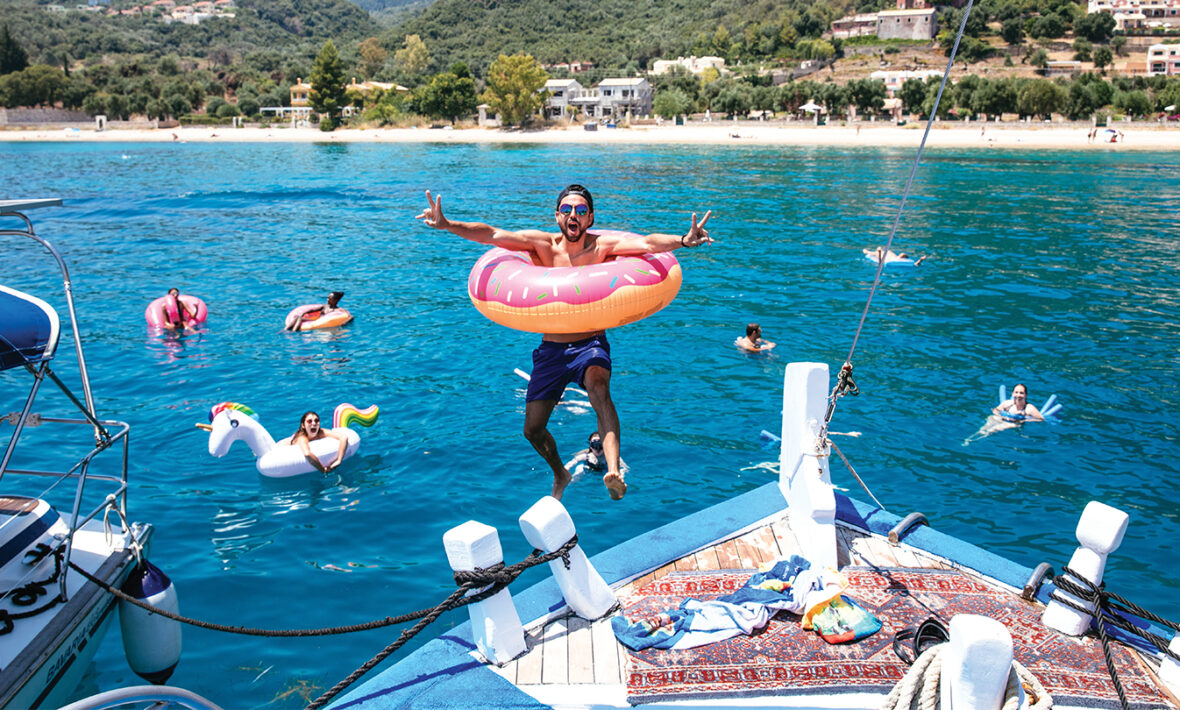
35,116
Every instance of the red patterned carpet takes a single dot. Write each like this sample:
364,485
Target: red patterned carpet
786,660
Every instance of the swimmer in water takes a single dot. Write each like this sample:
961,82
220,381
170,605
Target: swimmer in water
890,256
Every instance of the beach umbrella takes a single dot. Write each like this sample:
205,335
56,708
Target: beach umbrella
810,107
1170,108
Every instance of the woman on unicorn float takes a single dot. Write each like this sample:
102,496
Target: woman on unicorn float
309,431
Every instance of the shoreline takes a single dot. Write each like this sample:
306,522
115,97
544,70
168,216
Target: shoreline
1135,136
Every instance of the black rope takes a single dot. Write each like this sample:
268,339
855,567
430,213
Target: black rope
28,594
501,577
478,579
1104,605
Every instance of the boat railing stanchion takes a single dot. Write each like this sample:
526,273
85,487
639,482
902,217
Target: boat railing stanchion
1100,532
976,663
548,526
804,477
495,625
899,531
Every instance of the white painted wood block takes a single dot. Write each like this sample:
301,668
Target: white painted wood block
496,626
804,477
1100,532
1170,669
976,664
547,526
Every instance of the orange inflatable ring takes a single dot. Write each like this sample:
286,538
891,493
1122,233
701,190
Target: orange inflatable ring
509,289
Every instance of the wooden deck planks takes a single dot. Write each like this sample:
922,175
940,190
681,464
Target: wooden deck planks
609,657
574,651
555,659
528,666
581,651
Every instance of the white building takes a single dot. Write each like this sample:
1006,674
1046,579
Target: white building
562,93
907,24
1163,59
615,98
894,79
855,26
695,65
1139,14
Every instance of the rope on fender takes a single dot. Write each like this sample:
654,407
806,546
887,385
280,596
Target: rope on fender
920,687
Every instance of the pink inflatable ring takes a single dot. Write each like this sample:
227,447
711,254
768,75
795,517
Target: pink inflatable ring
509,289
158,318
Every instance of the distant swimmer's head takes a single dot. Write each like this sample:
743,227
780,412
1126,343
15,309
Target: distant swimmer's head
753,330
595,443
173,292
1019,394
334,298
575,212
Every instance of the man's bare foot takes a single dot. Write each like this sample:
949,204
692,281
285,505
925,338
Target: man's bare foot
615,485
560,481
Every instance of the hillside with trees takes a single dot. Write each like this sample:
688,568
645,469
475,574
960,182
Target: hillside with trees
450,54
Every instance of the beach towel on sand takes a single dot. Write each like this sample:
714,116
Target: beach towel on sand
788,584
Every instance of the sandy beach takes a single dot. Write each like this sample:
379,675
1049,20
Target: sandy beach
1134,136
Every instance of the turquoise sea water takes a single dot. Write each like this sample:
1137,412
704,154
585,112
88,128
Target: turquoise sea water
1056,269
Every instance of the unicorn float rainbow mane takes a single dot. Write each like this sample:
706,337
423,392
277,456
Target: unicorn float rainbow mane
233,421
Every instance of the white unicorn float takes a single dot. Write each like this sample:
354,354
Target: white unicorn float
231,421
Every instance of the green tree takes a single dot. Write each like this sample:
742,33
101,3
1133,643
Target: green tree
1040,97
734,98
448,96
993,98
671,102
1039,59
1082,48
1098,27
868,95
13,57
913,93
1103,58
373,56
413,58
1012,30
1135,103
37,85
327,86
1119,44
513,86
249,106
1049,26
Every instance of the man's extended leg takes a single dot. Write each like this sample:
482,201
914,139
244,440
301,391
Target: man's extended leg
536,419
597,383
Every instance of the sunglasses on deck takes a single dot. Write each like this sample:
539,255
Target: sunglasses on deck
580,210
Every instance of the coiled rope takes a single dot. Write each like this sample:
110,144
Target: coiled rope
844,384
919,689
494,578
1105,605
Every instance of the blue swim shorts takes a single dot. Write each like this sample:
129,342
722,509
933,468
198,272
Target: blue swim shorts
556,365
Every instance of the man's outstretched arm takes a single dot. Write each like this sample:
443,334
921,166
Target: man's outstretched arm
479,232
653,243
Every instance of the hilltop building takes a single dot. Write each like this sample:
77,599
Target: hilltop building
695,65
912,19
1163,60
1139,14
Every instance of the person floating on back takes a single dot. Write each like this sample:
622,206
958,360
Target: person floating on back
563,358
891,256
753,341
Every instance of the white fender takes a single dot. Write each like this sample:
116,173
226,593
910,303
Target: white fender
151,642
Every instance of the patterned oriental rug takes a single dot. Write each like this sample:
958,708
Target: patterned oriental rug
786,660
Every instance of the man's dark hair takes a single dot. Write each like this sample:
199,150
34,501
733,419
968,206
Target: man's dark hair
751,329
576,190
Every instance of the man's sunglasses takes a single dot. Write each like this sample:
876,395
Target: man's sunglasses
580,210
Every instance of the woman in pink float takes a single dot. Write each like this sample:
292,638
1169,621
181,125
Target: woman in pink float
176,311
566,357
